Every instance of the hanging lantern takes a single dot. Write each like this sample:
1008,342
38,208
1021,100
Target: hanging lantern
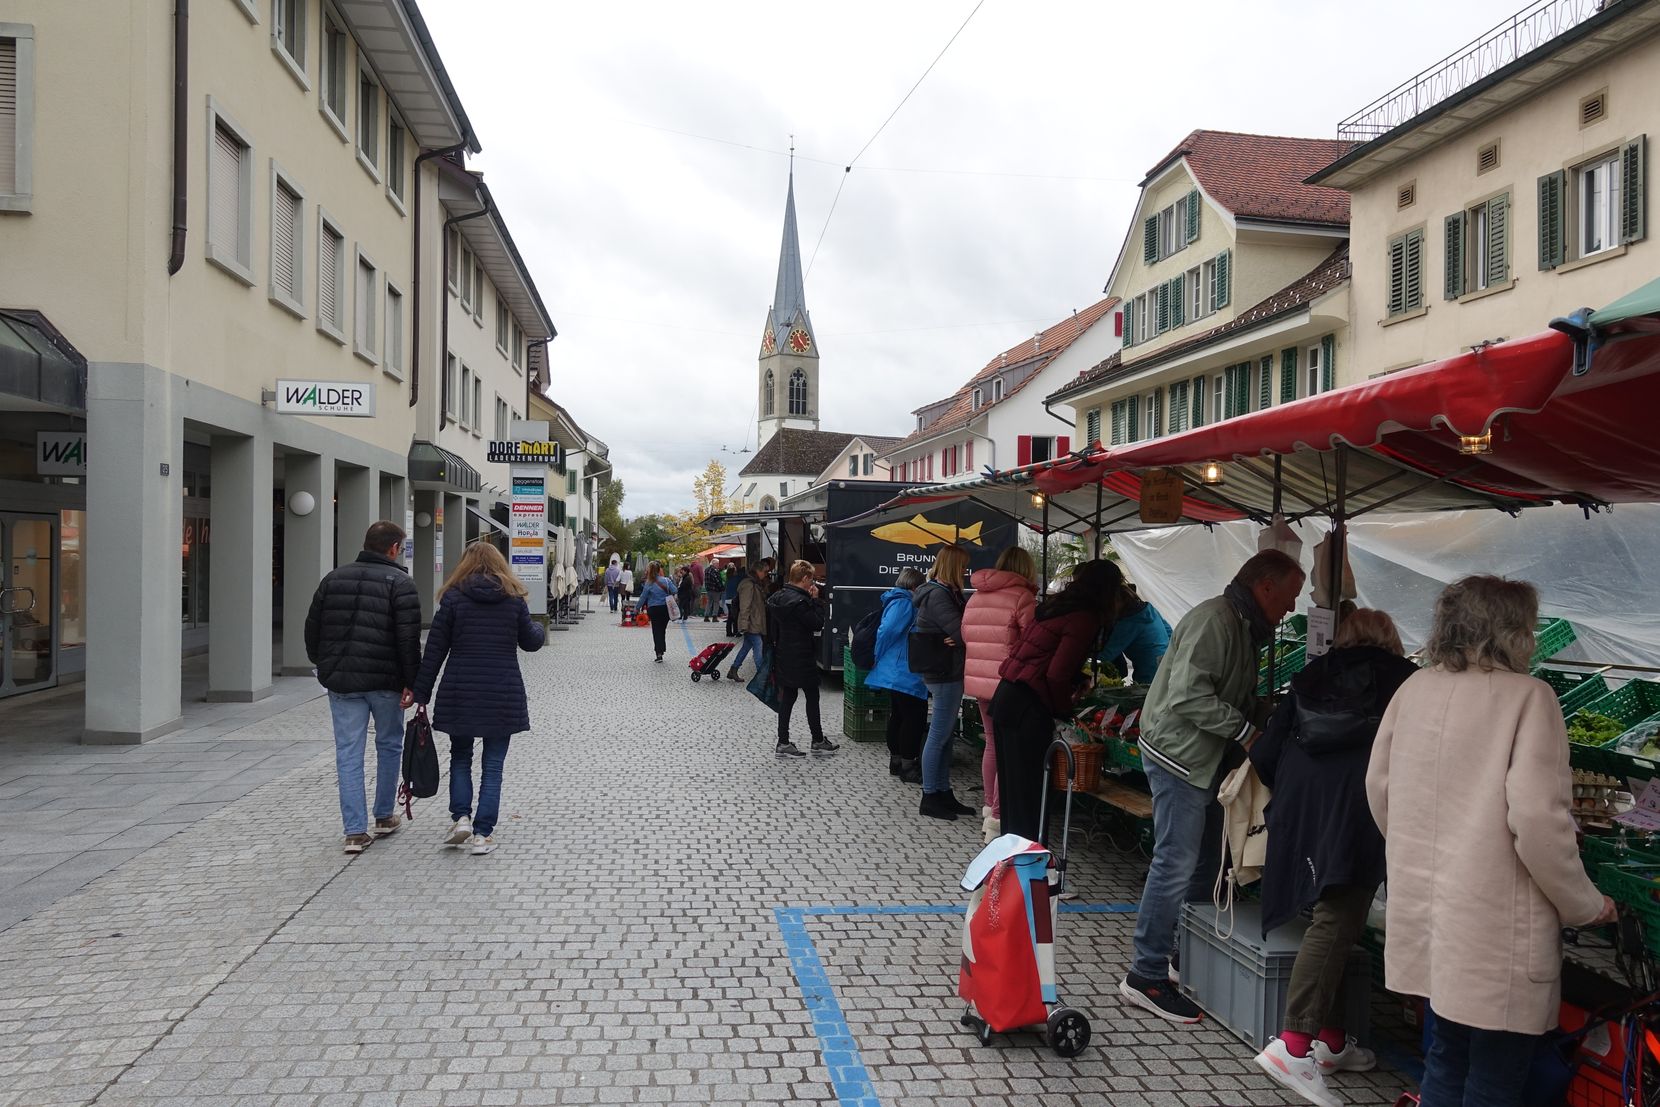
1473,444
1037,499
1211,473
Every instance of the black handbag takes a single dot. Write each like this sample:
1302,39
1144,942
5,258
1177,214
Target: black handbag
420,761
926,652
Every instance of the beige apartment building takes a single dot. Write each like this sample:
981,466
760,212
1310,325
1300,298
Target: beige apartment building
1233,291
1505,186
284,212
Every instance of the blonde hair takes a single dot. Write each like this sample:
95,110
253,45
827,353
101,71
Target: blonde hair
1016,559
950,565
654,571
800,571
480,559
1366,626
1484,621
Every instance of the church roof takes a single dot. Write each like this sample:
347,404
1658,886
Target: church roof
789,296
793,452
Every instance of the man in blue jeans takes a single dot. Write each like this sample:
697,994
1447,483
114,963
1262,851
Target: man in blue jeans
363,633
1201,714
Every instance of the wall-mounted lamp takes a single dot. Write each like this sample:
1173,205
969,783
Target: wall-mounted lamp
1472,444
423,519
1037,499
302,504
1211,473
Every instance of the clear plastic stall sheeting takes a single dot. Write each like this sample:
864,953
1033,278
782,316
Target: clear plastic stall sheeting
1601,573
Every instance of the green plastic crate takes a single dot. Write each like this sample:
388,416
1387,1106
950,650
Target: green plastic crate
1123,755
1574,688
1605,850
853,677
1637,888
1551,637
1292,660
859,699
1630,704
867,725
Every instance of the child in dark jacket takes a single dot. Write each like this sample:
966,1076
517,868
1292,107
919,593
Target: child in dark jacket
481,623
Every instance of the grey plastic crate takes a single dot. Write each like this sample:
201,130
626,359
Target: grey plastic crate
1242,981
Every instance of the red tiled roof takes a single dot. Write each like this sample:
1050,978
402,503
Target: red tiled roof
1042,347
1310,286
1262,176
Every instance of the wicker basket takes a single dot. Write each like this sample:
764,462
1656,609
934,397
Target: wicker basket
1086,759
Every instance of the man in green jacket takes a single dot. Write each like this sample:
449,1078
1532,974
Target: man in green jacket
1201,712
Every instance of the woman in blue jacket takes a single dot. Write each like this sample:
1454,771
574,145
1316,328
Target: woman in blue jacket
655,595
907,695
481,624
1140,636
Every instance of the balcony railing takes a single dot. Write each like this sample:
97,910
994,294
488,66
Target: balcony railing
1525,31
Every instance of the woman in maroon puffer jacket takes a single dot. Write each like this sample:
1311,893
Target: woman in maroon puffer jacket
1040,680
998,612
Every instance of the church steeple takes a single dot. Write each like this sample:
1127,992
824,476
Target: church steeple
788,368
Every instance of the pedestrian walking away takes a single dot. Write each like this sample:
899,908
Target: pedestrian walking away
481,624
627,583
714,587
937,655
734,577
907,694
1324,850
999,611
655,594
613,580
751,619
797,617
1481,880
363,634
1200,716
686,592
1038,683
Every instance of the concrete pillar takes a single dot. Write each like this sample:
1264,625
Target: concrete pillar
427,553
356,506
455,532
239,570
394,500
307,550
135,521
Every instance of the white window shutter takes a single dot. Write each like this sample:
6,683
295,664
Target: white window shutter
224,191
8,115
285,246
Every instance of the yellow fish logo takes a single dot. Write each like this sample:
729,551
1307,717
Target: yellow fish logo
922,531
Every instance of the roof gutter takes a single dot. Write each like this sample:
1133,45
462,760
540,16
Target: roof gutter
181,112
412,12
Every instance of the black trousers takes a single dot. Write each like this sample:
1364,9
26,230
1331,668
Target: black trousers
732,616
1021,730
907,725
786,706
659,626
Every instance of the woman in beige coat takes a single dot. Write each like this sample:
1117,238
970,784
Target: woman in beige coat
1469,783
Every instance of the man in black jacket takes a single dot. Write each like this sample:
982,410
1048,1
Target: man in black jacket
364,635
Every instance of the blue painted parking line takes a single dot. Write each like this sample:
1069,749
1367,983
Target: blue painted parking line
849,1078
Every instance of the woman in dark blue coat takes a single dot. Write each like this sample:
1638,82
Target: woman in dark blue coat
481,624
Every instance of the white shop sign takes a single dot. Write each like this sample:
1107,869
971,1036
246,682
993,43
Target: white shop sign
297,397
60,453
527,533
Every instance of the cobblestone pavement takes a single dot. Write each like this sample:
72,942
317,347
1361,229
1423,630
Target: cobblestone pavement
673,917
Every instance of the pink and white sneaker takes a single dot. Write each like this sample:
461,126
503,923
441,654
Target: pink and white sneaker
1301,1075
1351,1058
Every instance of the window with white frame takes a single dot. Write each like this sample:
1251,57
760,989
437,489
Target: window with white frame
393,362
397,142
1194,288
478,291
452,260
853,466
1599,186
501,418
288,32
287,243
1596,206
478,407
870,464
466,280
230,200
1477,245
466,396
331,278
978,400
518,344
368,119
333,73
364,341
502,330
452,385
1171,229
996,389
17,98
1219,399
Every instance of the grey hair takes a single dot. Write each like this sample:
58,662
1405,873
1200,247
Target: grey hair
1486,622
910,578
1365,626
1268,565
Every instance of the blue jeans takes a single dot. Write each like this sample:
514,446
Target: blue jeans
752,645
489,782
1187,839
1467,1067
613,593
936,751
351,712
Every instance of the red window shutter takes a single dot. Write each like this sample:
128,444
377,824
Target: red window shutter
1118,324
971,454
1063,446
1023,450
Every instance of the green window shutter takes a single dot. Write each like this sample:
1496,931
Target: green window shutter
1161,293
1092,426
1242,388
1328,363
1223,265
1265,382
1178,407
1150,239
1193,215
1414,270
1132,417
1552,234
1128,307
1455,256
1397,276
1498,240
1158,412
1228,393
1198,401
1175,296
1288,375
1634,183
1117,422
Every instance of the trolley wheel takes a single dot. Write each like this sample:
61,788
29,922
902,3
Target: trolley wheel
696,677
968,1019
714,674
1068,1031
983,1032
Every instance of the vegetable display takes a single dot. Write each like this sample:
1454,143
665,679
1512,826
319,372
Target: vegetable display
1588,729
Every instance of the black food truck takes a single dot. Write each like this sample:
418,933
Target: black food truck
858,563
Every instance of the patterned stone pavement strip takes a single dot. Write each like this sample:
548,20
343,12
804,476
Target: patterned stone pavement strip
674,916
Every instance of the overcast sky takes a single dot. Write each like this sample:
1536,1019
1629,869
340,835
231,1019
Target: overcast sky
991,206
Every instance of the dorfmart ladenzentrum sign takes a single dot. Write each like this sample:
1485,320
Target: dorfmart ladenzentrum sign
527,453
295,397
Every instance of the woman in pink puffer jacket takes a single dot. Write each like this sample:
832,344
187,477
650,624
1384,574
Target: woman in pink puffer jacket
1000,608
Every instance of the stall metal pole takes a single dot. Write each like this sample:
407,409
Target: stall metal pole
1340,538
1098,520
1046,545
1279,480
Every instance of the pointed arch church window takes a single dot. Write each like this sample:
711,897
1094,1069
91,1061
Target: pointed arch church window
768,391
798,393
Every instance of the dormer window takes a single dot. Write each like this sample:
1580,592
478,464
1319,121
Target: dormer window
919,422
996,389
979,399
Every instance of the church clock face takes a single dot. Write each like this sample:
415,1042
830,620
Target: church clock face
768,343
799,341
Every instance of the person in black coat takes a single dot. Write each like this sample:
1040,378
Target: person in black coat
363,633
1324,850
686,593
797,616
481,624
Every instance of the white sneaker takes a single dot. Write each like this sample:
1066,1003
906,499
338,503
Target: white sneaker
482,844
460,831
1352,1058
1298,1074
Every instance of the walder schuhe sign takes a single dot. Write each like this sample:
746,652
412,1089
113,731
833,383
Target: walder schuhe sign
60,453
325,398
